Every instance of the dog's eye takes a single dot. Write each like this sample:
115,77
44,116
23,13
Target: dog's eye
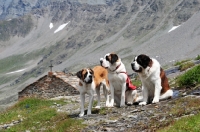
85,75
107,58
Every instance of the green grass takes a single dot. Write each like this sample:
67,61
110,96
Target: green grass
186,65
12,63
186,124
198,57
17,62
180,62
180,108
38,115
137,83
191,77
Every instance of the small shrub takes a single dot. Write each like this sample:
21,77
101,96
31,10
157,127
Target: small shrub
185,66
136,83
198,57
180,62
191,77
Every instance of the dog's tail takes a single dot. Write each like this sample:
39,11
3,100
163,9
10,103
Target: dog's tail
168,94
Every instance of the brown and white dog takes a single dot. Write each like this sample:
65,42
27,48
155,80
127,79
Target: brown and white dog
117,79
92,80
155,85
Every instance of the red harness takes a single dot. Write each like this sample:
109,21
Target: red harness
129,83
128,80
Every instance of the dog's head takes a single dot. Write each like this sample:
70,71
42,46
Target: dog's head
109,60
86,75
141,62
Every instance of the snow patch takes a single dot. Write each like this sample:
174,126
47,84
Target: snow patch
61,27
51,25
173,28
15,71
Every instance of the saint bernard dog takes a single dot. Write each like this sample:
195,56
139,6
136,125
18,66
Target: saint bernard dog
91,80
117,77
155,85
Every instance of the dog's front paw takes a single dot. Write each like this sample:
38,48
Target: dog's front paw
129,103
89,113
110,105
143,103
155,100
81,114
98,107
107,103
122,104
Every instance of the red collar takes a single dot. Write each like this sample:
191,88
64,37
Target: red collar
116,67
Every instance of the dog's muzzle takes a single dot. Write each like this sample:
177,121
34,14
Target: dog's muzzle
101,62
89,80
133,66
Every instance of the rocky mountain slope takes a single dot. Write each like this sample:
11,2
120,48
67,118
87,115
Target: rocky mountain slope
75,34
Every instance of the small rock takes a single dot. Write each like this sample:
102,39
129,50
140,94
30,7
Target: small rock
184,94
156,106
58,105
129,126
163,119
10,125
196,93
134,111
107,129
132,116
111,121
5,126
122,129
15,122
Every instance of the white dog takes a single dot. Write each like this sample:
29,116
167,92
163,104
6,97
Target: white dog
155,85
117,79
92,80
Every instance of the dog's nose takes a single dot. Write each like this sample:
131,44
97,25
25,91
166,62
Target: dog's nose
132,64
90,76
101,61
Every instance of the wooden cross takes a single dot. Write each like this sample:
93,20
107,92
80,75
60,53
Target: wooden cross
51,66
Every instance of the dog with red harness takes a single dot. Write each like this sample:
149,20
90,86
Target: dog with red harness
121,88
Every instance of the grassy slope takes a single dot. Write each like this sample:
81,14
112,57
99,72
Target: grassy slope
185,124
37,114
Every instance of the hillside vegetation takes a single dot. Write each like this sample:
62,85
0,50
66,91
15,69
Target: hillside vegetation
34,114
94,29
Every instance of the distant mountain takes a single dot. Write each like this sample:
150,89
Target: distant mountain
72,34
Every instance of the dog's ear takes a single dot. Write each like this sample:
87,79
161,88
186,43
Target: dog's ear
114,58
144,60
92,71
79,74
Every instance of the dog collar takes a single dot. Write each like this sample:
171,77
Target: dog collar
150,65
116,67
149,69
